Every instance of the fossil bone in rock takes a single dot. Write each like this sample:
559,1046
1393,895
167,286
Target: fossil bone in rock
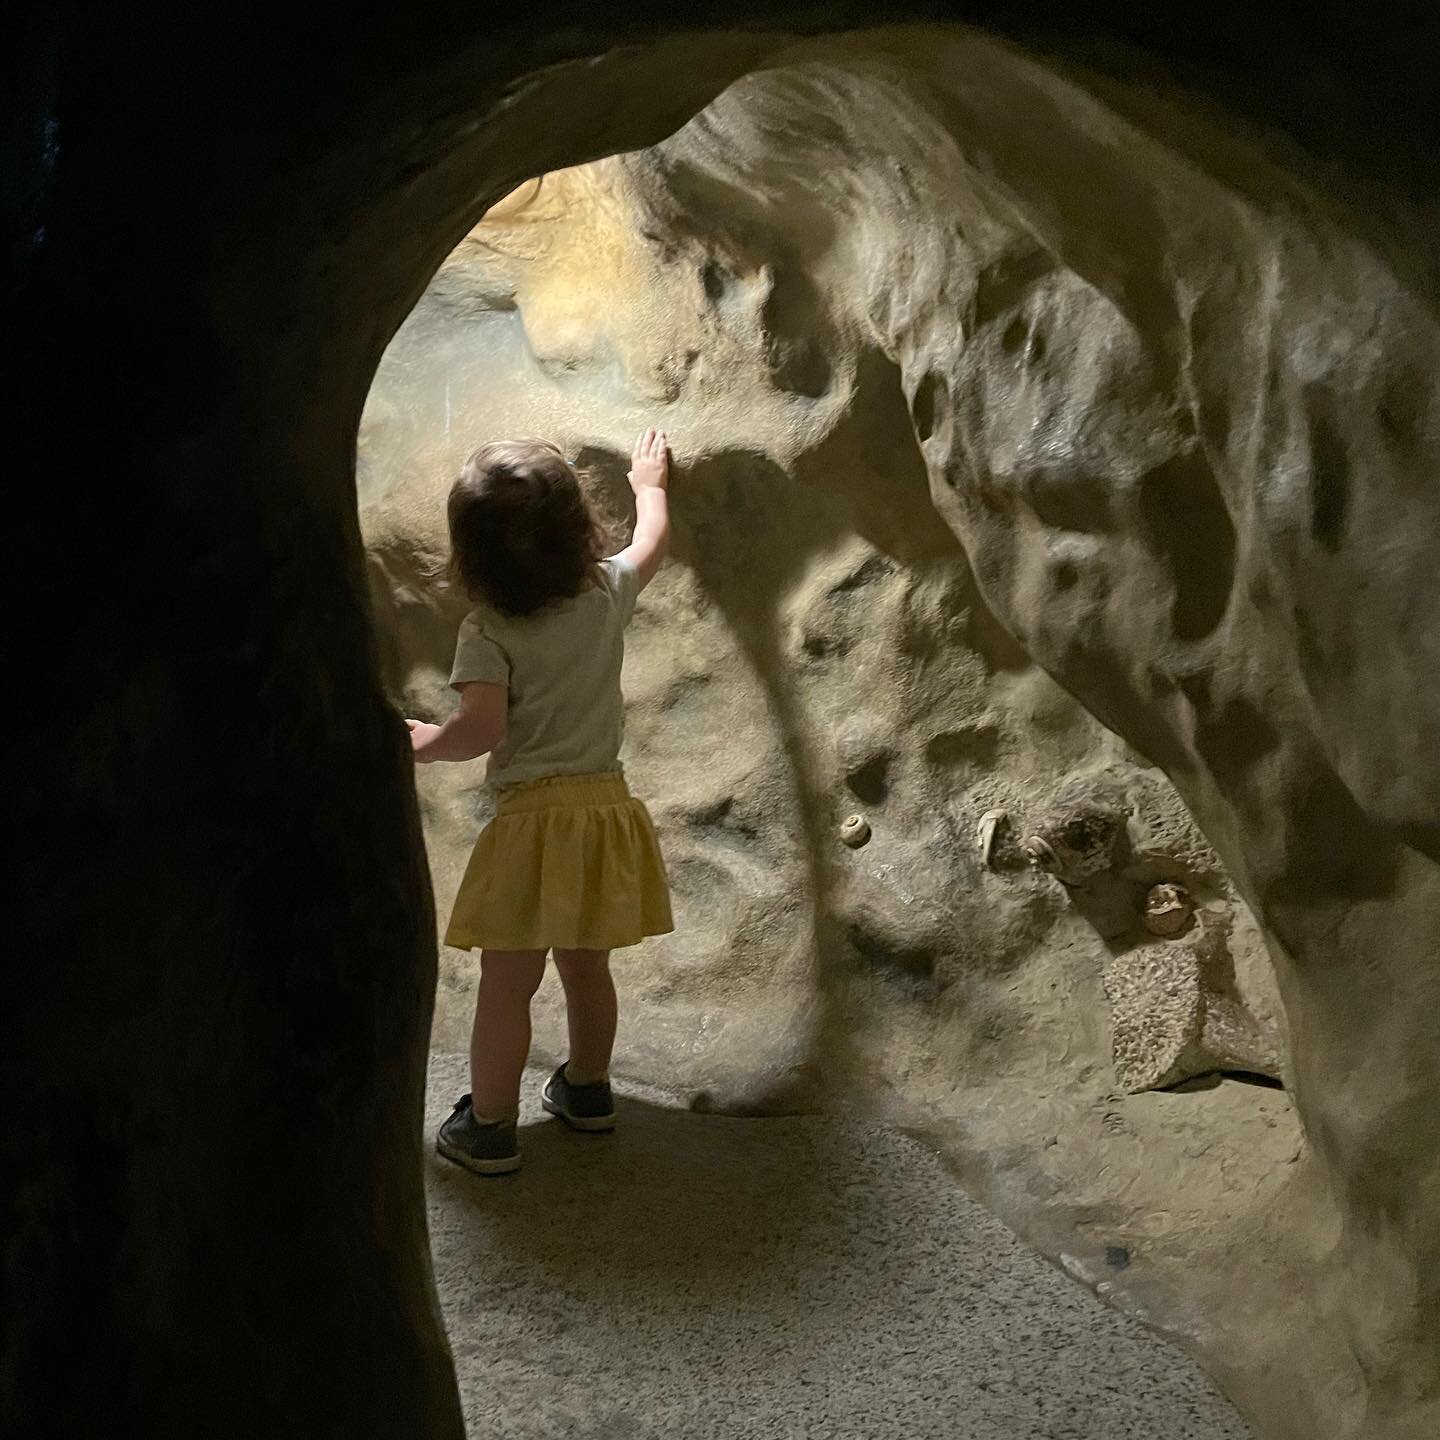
1076,838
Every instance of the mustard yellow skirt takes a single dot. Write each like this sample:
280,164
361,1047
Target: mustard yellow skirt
569,863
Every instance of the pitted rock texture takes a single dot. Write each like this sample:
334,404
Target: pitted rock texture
1176,1010
1175,1014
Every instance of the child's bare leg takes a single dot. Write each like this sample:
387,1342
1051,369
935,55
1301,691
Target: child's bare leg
500,1038
590,1012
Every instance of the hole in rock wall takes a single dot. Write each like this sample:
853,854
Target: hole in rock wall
903,858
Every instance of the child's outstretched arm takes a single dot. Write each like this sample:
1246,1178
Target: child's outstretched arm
649,479
475,729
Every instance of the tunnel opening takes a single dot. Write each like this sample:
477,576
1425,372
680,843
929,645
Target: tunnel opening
821,639
224,892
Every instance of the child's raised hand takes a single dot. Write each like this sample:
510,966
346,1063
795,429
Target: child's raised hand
650,461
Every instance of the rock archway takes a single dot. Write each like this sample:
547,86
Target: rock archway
1173,384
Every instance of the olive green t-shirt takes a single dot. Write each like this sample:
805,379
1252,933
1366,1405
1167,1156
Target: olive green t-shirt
565,714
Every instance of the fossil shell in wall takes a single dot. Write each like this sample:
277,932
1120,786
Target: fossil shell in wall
990,823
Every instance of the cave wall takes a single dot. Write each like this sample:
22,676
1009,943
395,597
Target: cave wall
1173,446
767,282
213,230
818,646
1211,558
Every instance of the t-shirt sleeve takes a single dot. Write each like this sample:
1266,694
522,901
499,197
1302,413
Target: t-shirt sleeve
624,582
477,656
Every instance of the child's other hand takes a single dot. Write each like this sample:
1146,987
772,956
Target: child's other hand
421,734
650,461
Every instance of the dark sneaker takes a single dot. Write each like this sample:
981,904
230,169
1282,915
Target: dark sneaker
485,1149
581,1107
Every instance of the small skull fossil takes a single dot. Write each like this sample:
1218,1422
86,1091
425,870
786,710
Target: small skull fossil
1167,910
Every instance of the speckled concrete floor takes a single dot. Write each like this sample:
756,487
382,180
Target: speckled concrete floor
694,1276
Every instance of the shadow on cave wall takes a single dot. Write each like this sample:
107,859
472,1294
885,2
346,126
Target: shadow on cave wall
749,530
727,511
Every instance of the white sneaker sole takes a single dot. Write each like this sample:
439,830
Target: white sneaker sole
592,1124
476,1166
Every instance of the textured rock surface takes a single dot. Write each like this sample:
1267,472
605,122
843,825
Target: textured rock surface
216,230
800,284
1175,1013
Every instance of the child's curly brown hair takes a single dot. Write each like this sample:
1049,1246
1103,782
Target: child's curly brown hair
524,529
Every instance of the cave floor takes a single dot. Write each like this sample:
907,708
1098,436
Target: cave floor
695,1275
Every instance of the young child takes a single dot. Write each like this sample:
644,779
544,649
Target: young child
570,865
